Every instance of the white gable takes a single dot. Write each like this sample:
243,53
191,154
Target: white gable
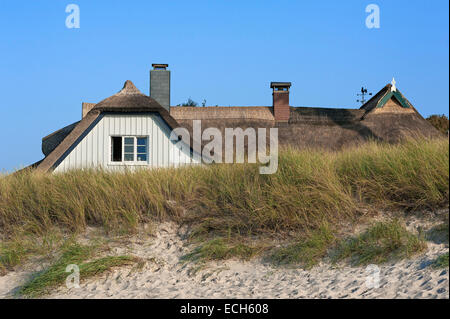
94,150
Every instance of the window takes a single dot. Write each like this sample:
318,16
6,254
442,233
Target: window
141,149
116,152
129,149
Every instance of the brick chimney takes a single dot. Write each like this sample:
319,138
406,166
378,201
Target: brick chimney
160,85
85,108
281,108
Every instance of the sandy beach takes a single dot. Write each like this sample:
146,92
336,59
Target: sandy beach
163,276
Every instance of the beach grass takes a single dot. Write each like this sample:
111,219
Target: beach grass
19,247
381,242
441,261
72,254
307,251
224,202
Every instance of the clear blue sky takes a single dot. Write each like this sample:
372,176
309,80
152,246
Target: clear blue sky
226,52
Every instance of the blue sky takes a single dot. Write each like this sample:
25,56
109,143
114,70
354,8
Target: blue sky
226,52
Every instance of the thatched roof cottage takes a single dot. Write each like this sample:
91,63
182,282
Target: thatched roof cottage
131,129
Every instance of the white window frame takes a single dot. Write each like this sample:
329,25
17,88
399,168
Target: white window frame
134,161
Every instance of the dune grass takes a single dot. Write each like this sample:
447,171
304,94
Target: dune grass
227,202
408,176
441,261
19,247
307,251
76,254
381,242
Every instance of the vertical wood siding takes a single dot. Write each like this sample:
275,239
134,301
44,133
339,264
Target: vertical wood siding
94,150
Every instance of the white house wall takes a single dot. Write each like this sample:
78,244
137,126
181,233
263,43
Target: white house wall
94,150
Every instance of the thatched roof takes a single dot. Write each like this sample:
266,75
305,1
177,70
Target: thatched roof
372,103
73,138
383,96
315,127
51,141
129,99
222,112
386,116
320,115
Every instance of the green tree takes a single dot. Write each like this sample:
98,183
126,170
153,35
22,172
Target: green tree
189,102
440,122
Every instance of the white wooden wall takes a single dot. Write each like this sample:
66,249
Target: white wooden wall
95,148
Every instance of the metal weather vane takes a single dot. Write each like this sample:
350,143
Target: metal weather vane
362,95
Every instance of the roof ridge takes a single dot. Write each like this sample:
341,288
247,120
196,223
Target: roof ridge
387,87
129,89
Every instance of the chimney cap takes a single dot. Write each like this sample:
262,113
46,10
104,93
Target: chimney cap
280,85
159,66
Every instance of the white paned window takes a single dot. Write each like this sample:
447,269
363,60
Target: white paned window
129,149
141,149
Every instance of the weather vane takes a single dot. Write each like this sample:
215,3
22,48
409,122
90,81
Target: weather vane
363,94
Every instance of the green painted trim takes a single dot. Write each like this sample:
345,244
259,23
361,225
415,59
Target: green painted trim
397,96
384,99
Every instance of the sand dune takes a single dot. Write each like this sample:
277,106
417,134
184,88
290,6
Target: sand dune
164,277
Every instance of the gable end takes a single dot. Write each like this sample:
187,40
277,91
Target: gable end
400,99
